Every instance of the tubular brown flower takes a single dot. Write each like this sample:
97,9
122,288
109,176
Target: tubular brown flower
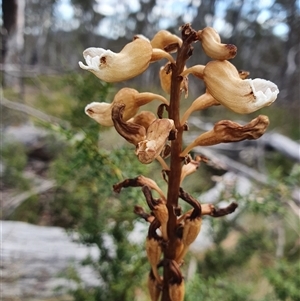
212,46
112,67
101,111
242,96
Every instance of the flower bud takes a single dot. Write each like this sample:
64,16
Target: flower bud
112,67
212,46
226,131
242,96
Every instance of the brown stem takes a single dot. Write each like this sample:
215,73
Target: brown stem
188,36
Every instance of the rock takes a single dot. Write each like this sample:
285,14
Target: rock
33,257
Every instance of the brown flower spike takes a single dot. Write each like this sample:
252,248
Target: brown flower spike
160,136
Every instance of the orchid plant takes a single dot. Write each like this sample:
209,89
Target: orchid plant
172,231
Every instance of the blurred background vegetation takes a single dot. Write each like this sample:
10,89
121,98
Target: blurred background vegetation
252,256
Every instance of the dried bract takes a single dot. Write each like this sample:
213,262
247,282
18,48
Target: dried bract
212,46
241,96
112,67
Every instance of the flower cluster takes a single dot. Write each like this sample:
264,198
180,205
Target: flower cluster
158,138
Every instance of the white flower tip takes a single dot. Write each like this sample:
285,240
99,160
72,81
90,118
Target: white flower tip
95,108
264,91
93,51
89,109
140,36
83,66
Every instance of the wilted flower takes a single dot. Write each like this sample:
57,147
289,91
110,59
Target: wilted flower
242,96
157,135
226,131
